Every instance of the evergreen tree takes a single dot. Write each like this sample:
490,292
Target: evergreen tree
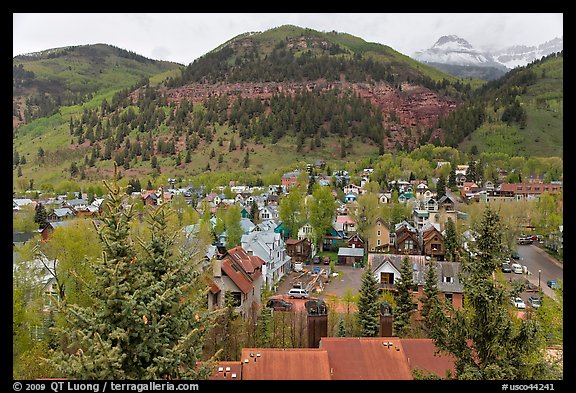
147,320
368,311
341,328
40,216
488,342
452,180
404,304
451,241
430,299
440,188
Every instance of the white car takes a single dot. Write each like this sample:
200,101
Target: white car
518,302
517,268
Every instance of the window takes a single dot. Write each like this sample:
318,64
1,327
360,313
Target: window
447,279
449,297
409,245
236,299
378,231
378,242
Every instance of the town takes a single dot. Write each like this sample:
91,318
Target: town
284,248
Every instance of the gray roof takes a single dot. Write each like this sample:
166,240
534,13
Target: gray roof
350,252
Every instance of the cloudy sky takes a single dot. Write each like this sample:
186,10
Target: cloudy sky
184,37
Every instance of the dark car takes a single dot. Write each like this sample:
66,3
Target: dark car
529,287
515,255
552,284
506,268
316,260
279,305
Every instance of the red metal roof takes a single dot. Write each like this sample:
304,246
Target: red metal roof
249,263
227,371
366,358
284,364
420,355
241,280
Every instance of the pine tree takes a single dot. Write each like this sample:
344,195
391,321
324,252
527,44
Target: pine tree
40,216
368,311
404,304
146,321
440,188
486,340
451,241
341,328
430,299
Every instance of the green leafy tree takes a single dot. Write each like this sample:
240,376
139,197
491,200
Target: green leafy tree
233,228
405,305
368,311
322,210
486,340
365,213
148,317
290,210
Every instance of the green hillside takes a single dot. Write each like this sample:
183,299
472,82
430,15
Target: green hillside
536,127
45,81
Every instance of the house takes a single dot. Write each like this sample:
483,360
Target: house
469,188
527,190
385,197
353,189
150,198
420,217
268,213
351,256
40,272
350,197
432,241
20,238
355,241
299,250
406,239
240,274
379,236
386,270
290,179
446,203
269,246
60,214
49,229
347,222
305,232
332,238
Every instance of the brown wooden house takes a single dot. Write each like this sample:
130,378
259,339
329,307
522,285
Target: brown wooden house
299,250
406,239
355,241
432,242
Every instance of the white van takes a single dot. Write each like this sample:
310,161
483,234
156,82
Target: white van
298,293
517,268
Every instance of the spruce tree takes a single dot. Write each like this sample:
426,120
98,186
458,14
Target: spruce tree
430,299
404,304
40,216
146,320
487,341
451,241
368,311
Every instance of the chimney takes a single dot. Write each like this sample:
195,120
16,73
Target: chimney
317,322
217,267
386,319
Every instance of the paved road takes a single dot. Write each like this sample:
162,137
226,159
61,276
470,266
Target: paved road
541,267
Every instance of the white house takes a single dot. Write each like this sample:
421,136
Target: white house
269,246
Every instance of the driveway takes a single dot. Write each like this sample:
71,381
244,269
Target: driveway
348,277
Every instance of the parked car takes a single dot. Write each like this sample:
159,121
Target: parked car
529,287
515,255
552,284
279,305
298,293
518,302
535,302
506,268
517,268
326,260
524,240
316,260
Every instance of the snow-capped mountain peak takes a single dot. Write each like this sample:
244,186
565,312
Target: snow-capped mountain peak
451,49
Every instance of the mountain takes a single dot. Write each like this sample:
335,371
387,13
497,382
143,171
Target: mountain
44,81
521,55
458,57
257,103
